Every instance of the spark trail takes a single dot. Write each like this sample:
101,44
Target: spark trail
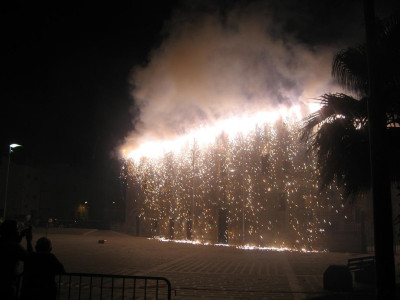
256,172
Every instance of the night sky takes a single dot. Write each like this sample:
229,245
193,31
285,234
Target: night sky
66,71
65,91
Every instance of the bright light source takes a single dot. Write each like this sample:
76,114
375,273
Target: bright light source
15,146
245,247
207,134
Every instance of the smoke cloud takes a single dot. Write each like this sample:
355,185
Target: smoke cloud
214,65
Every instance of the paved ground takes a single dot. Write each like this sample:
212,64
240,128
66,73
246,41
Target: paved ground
196,271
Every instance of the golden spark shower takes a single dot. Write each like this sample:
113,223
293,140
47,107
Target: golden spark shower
215,155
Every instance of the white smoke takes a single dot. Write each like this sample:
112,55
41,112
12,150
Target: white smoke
211,67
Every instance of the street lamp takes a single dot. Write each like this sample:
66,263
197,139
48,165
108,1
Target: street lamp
12,146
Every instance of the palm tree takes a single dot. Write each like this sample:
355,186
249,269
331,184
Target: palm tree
338,132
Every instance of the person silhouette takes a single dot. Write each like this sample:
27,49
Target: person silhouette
40,270
11,255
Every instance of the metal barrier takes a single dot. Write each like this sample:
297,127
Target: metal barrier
363,269
78,286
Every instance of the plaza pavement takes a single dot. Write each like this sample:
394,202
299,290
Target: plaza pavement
197,271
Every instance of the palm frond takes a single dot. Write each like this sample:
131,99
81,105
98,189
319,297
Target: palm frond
388,43
338,132
349,67
334,106
388,30
343,156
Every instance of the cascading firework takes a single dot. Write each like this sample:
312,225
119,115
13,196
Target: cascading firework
255,188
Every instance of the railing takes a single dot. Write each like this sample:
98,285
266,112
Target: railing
363,269
361,263
85,286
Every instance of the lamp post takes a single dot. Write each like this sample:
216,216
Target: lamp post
12,146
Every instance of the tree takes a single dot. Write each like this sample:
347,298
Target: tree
371,72
338,132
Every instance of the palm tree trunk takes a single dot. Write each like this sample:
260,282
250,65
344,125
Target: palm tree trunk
381,189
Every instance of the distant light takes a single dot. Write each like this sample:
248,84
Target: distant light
86,202
113,202
15,145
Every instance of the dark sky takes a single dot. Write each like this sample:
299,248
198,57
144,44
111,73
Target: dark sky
65,69
65,93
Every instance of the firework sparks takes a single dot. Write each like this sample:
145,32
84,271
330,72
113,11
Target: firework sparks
235,174
207,134
250,183
245,247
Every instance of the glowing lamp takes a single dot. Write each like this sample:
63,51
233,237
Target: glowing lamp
12,146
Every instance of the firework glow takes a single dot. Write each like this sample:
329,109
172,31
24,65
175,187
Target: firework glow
255,186
215,155
245,247
207,134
